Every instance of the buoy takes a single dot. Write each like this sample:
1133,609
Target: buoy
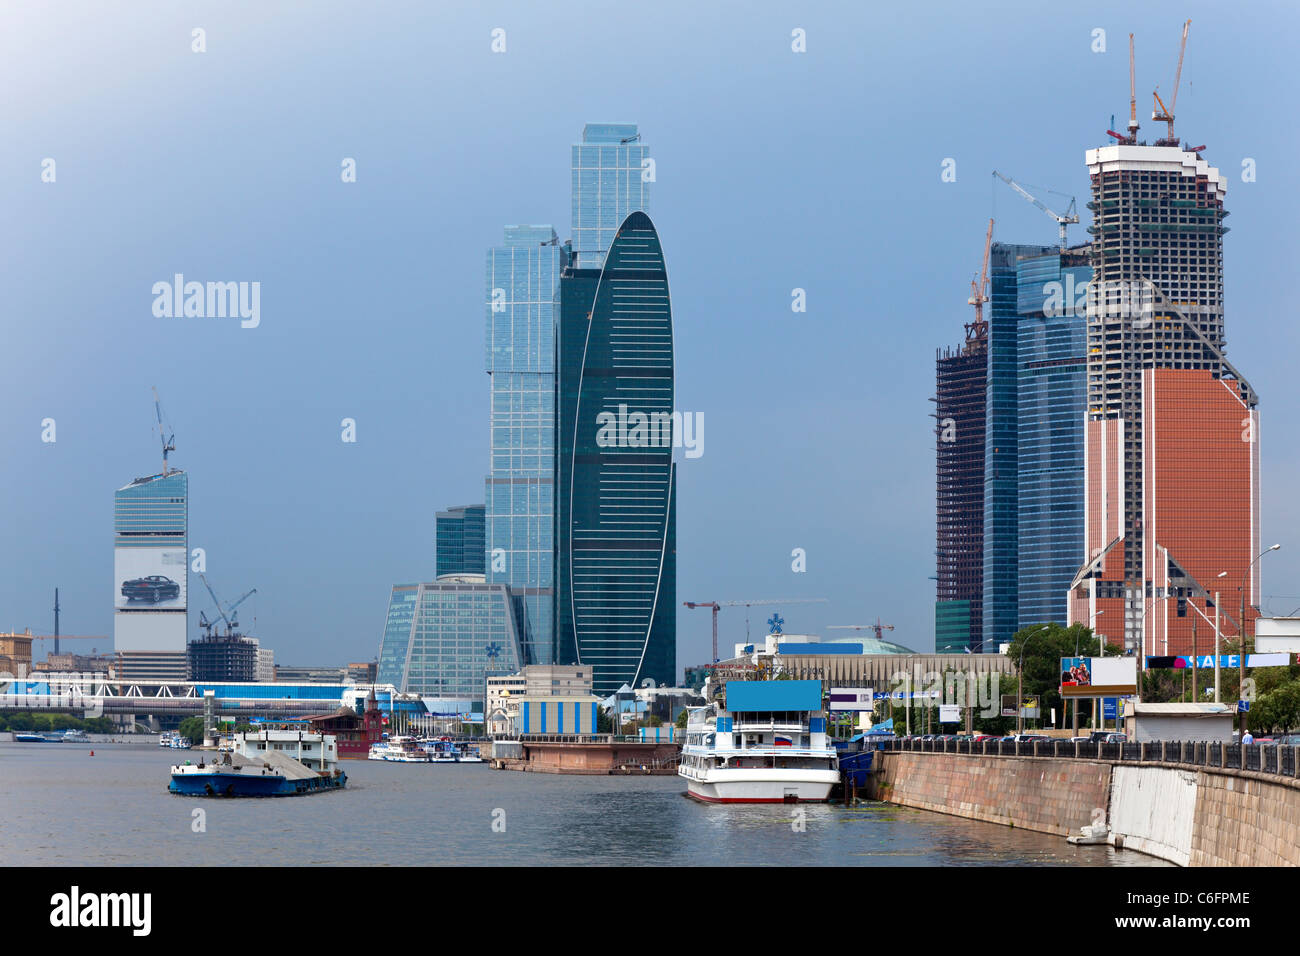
92,753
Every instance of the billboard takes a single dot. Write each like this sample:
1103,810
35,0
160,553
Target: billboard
1098,676
949,714
852,698
149,579
1273,634
1009,705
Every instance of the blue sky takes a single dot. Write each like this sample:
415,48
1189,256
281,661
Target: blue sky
775,170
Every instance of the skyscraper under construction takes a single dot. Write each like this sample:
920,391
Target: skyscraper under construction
1172,428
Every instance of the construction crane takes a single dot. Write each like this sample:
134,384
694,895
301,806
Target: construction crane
1132,137
878,627
1167,115
979,289
1071,214
231,618
168,441
715,605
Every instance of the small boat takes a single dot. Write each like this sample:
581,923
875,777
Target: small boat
271,763
24,738
399,750
75,737
445,750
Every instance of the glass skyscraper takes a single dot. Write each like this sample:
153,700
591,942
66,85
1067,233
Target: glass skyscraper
615,481
522,274
443,638
1051,369
460,540
1001,440
151,576
611,180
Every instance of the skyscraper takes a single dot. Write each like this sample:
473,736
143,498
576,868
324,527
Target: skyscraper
519,491
961,377
611,172
1000,607
150,579
1172,427
615,481
459,534
1051,371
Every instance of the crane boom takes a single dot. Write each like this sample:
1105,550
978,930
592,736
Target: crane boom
716,605
1166,115
1071,215
168,441
215,599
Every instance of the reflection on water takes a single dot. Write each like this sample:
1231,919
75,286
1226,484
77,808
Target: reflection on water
61,806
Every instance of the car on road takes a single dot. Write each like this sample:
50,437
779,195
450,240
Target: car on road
153,589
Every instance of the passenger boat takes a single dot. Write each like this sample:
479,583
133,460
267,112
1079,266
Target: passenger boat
766,742
24,738
399,750
75,737
445,750
269,763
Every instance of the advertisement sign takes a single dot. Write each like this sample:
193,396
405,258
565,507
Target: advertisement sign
1206,661
1009,705
1274,634
852,698
1098,676
149,579
949,714
1109,708
1029,708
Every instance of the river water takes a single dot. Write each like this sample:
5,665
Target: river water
61,806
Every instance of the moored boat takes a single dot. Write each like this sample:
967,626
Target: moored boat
399,750
765,743
272,763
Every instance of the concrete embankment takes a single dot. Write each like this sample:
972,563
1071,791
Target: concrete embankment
1192,817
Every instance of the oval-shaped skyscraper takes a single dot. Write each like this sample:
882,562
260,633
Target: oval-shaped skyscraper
615,491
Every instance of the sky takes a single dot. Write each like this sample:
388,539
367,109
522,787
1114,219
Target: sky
776,170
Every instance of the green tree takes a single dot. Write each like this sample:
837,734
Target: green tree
681,719
1043,646
192,727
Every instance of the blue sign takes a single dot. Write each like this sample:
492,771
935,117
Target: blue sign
776,622
1243,706
1109,708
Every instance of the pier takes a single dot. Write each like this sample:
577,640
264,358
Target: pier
597,754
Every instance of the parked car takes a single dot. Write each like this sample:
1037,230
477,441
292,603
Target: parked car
153,589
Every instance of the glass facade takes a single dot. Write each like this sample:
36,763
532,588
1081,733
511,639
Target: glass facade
461,540
610,182
150,543
443,638
152,512
615,480
522,276
1001,449
1052,387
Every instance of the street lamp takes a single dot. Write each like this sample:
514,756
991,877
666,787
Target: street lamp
1096,701
1020,679
1221,574
1241,627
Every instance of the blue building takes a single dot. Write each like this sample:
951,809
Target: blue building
611,172
522,276
1001,442
615,527
442,639
1052,389
460,540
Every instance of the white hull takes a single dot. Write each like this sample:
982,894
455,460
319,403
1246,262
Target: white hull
761,785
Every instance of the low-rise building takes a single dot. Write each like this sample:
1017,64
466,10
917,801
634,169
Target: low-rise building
16,653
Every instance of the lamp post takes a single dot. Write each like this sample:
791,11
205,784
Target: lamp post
1241,627
1216,638
1020,680
1074,701
1098,722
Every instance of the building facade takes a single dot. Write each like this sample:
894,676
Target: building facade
611,172
1172,430
151,577
460,540
615,480
1051,365
232,658
442,639
961,376
522,275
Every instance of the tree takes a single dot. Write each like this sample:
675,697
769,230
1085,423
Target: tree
681,719
192,727
1043,647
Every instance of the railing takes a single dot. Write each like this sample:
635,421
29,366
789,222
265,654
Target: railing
1276,759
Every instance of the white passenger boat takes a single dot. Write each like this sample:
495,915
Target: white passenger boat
446,750
398,750
765,743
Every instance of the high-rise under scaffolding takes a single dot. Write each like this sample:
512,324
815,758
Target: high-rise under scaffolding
960,385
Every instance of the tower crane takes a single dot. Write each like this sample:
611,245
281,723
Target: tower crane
715,605
168,441
1071,214
1167,115
979,289
878,627
231,618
